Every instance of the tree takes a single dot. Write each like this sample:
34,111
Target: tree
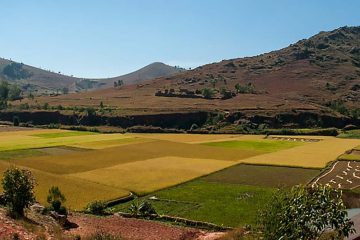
305,213
16,121
120,83
65,90
56,199
14,92
208,93
18,185
4,90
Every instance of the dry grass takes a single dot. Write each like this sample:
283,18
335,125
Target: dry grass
153,174
314,155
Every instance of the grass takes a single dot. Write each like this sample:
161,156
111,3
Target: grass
63,134
264,176
23,141
16,154
220,203
350,134
256,145
350,157
230,197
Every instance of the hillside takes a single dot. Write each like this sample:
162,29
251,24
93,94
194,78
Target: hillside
39,81
319,75
34,79
311,72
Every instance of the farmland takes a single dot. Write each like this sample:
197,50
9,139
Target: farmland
93,166
234,201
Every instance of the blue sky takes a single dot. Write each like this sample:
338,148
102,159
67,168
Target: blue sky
102,38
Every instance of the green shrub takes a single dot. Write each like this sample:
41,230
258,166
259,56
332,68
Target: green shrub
96,207
18,186
208,93
56,199
305,213
142,208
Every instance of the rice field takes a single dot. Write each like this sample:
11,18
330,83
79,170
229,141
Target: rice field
92,166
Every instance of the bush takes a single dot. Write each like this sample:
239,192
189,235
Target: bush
208,93
18,185
96,207
56,199
193,127
143,209
16,121
305,213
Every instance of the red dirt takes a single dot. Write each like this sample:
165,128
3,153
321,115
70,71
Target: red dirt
9,227
135,229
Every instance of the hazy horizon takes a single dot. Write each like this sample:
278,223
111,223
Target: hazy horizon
96,39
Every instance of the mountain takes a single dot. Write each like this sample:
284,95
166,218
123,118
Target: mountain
41,81
321,72
151,71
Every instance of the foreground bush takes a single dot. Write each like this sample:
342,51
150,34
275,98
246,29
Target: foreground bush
18,185
305,213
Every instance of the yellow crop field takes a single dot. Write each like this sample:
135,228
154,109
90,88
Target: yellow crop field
198,138
314,155
26,141
153,174
111,143
78,192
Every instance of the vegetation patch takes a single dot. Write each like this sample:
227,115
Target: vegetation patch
350,157
350,134
220,203
264,176
16,154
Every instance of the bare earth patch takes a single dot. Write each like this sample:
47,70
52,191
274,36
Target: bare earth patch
134,229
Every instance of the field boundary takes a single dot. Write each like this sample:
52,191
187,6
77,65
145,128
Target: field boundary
187,222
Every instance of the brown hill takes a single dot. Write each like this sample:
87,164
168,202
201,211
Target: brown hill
151,71
309,73
40,81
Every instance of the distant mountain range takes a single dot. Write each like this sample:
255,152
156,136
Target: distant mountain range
36,80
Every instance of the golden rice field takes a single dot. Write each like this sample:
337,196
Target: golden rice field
88,166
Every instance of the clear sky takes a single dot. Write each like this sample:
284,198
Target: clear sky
102,38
